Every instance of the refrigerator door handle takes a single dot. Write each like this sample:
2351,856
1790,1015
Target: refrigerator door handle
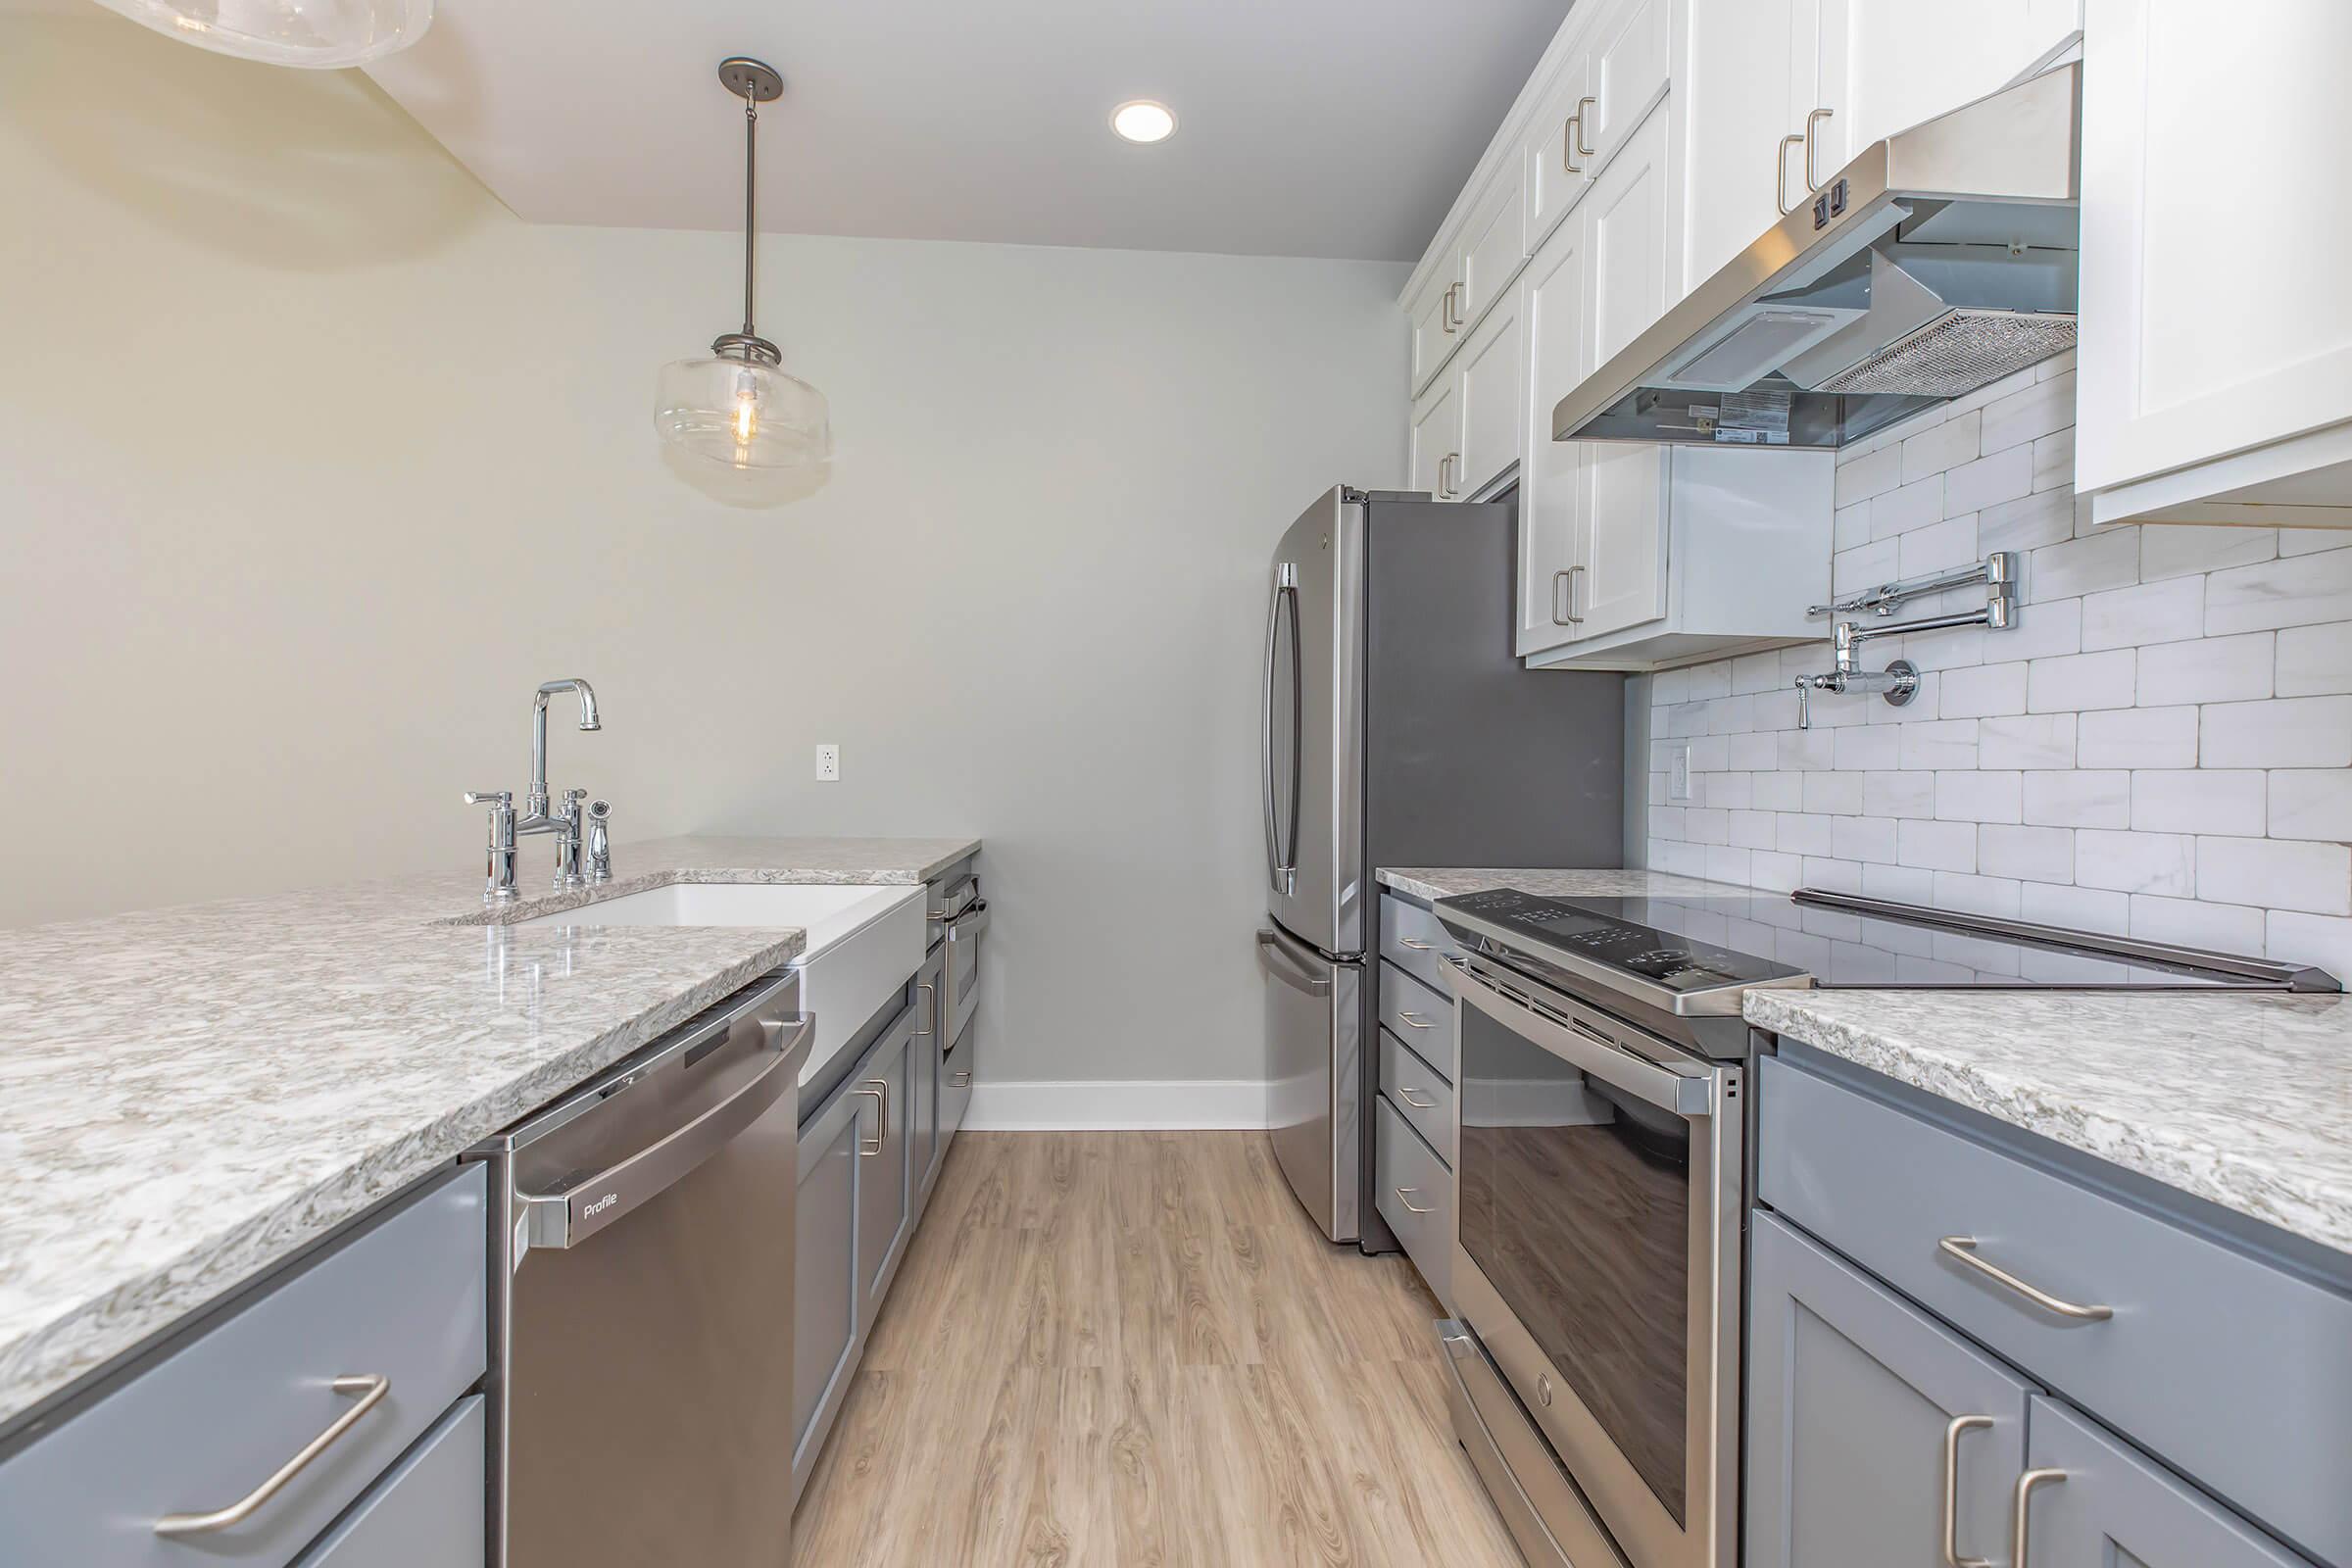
1281,860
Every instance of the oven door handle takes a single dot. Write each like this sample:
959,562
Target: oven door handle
1687,1091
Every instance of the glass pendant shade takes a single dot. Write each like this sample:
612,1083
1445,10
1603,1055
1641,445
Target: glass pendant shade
320,34
742,414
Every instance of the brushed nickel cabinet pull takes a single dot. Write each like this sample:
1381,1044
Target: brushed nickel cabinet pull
1571,618
881,1102
1779,172
1812,120
926,986
1578,121
1413,1019
370,1387
1411,1207
1951,1491
1963,1248
2024,1496
1417,947
1568,140
1407,1094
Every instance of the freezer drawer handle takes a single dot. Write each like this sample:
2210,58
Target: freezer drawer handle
568,1218
370,1387
1288,968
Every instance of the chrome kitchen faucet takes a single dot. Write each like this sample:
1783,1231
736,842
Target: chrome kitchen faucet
1898,682
560,816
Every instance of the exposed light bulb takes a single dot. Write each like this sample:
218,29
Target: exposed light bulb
747,414
1142,120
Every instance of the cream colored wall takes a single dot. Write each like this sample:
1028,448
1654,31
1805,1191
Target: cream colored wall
314,460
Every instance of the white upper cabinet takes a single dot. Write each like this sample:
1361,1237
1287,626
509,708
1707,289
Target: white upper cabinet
1884,65
1434,328
1629,71
1490,385
1750,84
1494,244
1551,483
1553,171
1436,443
2214,378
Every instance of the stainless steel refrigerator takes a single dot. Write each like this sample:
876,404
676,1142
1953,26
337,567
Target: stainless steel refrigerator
1398,729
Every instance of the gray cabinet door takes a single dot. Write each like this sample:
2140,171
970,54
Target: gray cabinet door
428,1509
826,1289
885,1195
1853,1394
2105,1506
956,1083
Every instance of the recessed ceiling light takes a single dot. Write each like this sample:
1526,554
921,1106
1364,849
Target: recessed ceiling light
1142,120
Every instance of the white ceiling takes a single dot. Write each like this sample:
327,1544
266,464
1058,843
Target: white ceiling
1305,127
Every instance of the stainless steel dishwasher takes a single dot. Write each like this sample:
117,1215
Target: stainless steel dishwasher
646,1316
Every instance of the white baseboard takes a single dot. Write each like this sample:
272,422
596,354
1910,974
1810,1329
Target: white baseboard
1117,1104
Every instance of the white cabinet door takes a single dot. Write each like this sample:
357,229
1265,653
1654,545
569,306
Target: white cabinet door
1552,170
1433,327
1551,493
1629,53
1884,65
1436,442
1749,82
1624,222
2216,215
1494,243
1493,393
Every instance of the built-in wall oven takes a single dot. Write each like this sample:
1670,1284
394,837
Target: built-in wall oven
1596,1265
963,917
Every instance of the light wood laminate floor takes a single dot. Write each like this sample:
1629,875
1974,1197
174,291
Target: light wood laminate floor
1133,1349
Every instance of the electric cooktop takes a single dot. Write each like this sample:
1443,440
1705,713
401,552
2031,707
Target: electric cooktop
1695,956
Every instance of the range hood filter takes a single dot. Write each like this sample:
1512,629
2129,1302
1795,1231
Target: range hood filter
1955,354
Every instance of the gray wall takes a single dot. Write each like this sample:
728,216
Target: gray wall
318,461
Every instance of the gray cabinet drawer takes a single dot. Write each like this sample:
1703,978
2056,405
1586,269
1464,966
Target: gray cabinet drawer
1411,938
2108,1506
428,1509
1420,1017
1420,1096
213,1417
1416,1198
2233,1371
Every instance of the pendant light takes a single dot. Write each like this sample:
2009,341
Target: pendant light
736,408
320,34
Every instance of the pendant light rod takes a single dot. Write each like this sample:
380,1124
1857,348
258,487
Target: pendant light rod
751,198
756,83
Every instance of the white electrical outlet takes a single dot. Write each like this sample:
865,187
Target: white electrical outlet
1678,776
828,764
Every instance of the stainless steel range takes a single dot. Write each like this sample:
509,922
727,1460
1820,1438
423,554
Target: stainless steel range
1600,1189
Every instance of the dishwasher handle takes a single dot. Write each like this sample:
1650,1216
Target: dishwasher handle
567,1219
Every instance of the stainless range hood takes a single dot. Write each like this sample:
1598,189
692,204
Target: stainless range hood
1938,262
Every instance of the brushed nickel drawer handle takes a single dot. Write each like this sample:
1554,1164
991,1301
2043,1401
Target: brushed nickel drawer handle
926,988
2024,1501
962,1080
1410,1205
1963,1248
881,1118
370,1387
1951,1491
1407,1094
1417,947
1413,1020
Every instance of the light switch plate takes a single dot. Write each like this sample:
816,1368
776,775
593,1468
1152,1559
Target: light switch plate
828,764
1678,776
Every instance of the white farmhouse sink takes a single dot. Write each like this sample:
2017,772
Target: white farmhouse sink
865,943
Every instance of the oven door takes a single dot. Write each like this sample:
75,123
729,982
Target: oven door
1597,1255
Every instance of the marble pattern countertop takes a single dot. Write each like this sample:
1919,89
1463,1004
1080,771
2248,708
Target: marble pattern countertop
189,1095
1446,882
2244,1100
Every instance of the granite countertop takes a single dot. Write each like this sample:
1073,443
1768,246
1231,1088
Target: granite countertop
187,1096
1446,882
2243,1101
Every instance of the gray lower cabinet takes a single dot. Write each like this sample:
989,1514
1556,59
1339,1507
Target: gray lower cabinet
428,1509
1414,1194
2100,1505
885,1189
374,1338
926,1147
826,1290
1854,1396
955,1082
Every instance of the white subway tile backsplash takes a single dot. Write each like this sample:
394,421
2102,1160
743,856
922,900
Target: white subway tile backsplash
2314,660
2278,873
2311,803
2108,559
1989,688
2029,854
2026,741
2137,863
2284,732
2294,591
2002,477
2148,613
2200,799
2023,779
2076,798
2143,737
2039,410
2176,550
1978,797
2213,669
1936,846
2073,683
1947,445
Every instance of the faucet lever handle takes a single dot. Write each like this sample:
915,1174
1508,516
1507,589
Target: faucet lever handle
499,797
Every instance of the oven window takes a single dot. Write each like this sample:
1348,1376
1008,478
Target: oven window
1575,1205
